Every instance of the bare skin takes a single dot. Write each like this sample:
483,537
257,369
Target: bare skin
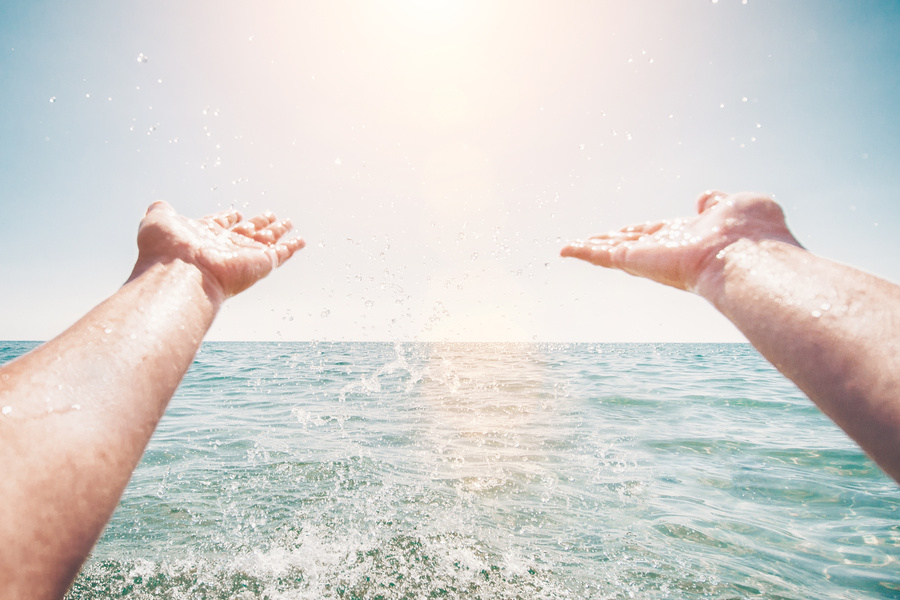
77,412
833,330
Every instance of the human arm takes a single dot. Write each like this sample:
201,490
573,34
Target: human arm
831,329
78,411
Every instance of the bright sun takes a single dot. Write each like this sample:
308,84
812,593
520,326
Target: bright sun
429,14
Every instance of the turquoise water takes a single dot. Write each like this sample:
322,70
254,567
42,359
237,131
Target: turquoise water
367,470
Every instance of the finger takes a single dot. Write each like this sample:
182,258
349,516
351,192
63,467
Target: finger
159,205
574,249
285,249
615,237
226,219
273,232
250,226
629,233
642,229
598,252
709,199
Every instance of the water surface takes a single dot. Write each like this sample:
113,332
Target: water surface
368,470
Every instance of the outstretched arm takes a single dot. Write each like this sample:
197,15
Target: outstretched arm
78,411
832,329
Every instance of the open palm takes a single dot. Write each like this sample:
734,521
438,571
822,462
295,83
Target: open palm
232,254
680,252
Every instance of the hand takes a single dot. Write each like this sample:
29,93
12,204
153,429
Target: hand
683,253
231,254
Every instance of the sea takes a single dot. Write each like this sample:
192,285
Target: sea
496,471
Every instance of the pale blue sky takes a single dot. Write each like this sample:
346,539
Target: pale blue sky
436,155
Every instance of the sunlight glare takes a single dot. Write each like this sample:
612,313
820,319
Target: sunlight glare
429,14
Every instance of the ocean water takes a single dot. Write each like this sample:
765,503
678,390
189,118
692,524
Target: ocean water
392,470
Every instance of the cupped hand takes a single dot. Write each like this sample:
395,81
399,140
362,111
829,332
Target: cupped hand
231,253
682,252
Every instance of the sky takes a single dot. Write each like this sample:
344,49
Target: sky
437,154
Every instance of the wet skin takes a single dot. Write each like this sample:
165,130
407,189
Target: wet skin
830,328
79,410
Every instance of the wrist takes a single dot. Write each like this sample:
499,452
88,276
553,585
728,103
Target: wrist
176,271
710,283
738,261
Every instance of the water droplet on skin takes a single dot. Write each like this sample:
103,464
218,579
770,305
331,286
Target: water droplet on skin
816,314
107,330
76,407
6,410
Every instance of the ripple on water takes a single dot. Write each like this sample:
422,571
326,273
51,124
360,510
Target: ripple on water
497,471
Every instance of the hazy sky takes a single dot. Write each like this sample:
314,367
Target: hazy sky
437,154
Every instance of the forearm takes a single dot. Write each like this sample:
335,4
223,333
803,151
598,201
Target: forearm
77,414
829,328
